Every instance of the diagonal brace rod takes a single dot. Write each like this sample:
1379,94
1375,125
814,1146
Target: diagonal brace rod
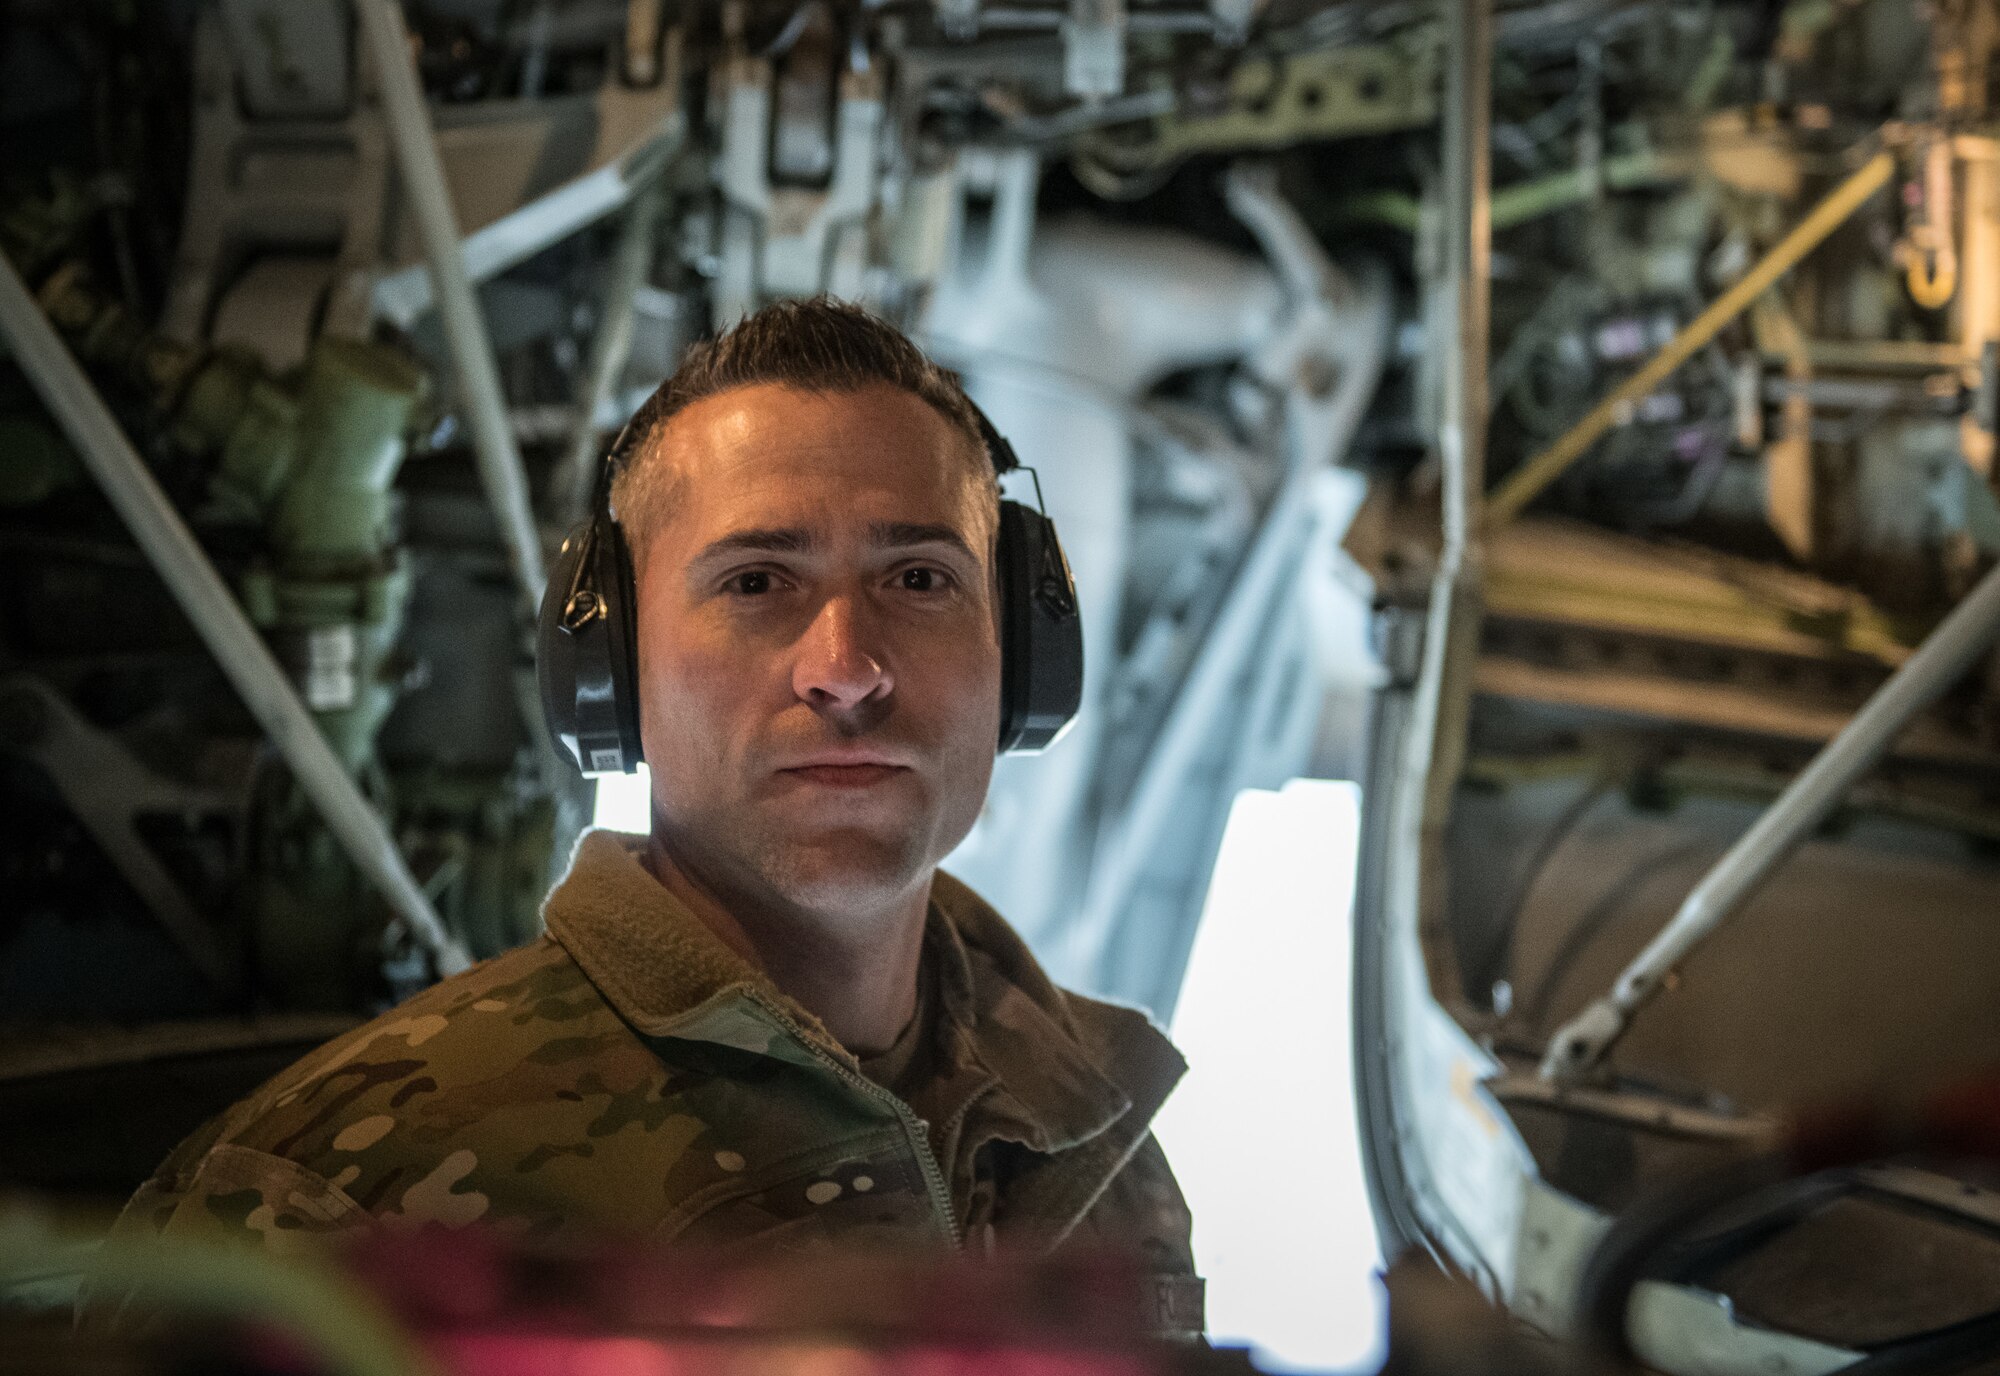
422,179
1527,481
1944,657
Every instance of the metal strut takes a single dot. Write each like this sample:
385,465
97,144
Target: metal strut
1949,651
422,177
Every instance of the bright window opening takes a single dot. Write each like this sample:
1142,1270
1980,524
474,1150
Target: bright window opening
1263,1132
625,802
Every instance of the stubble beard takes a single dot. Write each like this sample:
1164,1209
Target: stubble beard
844,871
745,855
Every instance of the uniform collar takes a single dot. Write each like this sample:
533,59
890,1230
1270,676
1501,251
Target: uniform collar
1066,1068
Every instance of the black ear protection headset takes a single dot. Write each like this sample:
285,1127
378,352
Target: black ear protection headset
587,651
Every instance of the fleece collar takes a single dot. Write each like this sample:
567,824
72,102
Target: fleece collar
1065,1068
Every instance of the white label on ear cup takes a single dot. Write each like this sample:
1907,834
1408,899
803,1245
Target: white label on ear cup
605,761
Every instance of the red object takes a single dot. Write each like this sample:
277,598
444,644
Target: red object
483,1306
557,1354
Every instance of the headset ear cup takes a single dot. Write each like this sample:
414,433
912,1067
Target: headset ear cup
555,648
1041,632
585,650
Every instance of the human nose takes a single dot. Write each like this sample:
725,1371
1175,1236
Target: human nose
837,667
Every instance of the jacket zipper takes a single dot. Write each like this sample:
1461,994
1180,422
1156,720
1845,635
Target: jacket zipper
913,1127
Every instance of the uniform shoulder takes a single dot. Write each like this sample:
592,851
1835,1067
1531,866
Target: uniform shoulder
503,1032
278,1163
512,1095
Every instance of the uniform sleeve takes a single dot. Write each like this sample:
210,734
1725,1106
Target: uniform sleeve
218,1192
1143,1212
240,1194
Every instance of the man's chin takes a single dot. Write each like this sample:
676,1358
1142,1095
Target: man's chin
845,868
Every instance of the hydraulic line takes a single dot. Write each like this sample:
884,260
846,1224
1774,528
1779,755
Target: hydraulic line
215,613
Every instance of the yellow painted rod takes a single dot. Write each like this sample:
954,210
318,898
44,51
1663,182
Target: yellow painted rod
1525,483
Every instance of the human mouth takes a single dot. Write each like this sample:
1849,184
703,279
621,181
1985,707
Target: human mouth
850,768
846,775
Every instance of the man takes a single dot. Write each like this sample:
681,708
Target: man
773,1023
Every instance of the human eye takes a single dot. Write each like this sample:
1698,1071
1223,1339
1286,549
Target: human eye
924,578
749,583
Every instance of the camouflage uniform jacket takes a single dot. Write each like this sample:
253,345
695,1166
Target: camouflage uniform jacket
628,1073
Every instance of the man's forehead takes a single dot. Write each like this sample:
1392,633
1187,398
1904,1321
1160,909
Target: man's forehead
779,448
775,420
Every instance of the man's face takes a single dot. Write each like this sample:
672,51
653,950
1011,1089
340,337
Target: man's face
819,656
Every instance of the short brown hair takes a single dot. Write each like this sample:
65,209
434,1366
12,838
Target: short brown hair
816,345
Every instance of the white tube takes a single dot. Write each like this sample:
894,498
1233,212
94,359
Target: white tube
1356,334
610,350
422,179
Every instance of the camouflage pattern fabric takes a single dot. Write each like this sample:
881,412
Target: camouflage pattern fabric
627,1074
